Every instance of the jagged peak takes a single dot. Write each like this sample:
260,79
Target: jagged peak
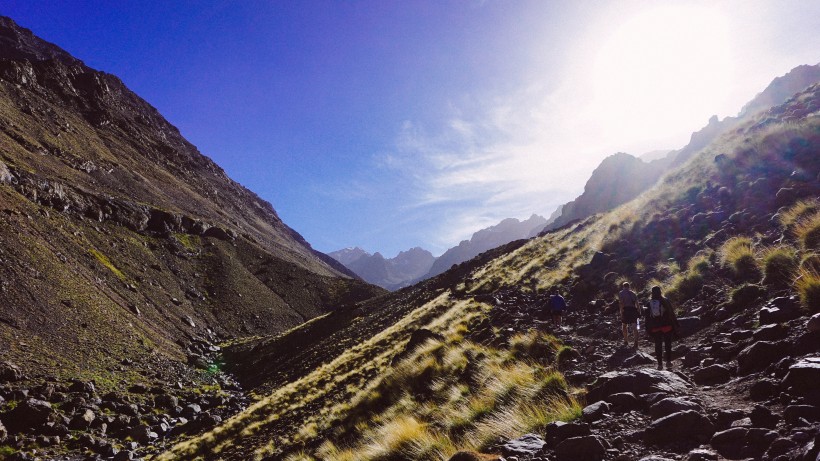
17,42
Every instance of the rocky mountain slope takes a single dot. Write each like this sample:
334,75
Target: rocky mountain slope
461,366
390,273
618,179
126,255
491,237
417,264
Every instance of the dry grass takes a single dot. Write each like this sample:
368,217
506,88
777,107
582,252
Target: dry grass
807,231
779,265
808,286
738,254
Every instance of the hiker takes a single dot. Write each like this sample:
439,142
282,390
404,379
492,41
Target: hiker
557,305
628,302
662,325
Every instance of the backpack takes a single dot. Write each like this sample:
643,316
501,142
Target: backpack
656,308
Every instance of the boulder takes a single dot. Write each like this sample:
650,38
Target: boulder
165,401
773,332
762,416
688,325
526,445
780,446
595,411
82,420
760,355
639,382
731,442
672,405
4,433
762,390
558,431
711,375
625,401
794,413
814,323
803,376
701,454
583,448
29,414
679,426
10,372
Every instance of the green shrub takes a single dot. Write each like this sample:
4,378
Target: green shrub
808,285
810,262
779,266
746,294
738,255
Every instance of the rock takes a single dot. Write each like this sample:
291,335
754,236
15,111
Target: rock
165,401
762,390
595,411
191,410
29,414
583,448
701,454
711,375
81,387
558,431
4,433
526,445
473,456
760,355
731,442
10,372
794,413
762,416
771,332
639,382
82,421
679,426
814,323
688,325
780,446
5,174
672,405
803,376
124,455
625,401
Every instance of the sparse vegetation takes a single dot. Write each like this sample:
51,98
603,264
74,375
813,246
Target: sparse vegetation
103,259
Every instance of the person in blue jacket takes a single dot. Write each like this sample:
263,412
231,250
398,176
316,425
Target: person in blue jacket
557,306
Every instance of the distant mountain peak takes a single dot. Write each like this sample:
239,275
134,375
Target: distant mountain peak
17,42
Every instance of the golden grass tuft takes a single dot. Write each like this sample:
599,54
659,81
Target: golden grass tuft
799,211
808,286
779,265
807,232
738,254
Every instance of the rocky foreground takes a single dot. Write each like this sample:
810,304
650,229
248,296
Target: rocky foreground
42,417
743,387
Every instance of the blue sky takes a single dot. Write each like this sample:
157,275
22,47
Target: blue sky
393,124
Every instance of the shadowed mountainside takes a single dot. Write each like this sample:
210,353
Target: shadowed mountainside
121,240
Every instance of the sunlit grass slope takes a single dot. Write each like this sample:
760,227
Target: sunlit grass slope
735,215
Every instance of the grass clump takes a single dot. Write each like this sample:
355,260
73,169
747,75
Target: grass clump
738,255
807,232
808,286
779,265
687,284
798,212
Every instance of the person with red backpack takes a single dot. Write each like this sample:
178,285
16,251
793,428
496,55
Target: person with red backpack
662,324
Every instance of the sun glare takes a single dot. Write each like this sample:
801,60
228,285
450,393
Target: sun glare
659,70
